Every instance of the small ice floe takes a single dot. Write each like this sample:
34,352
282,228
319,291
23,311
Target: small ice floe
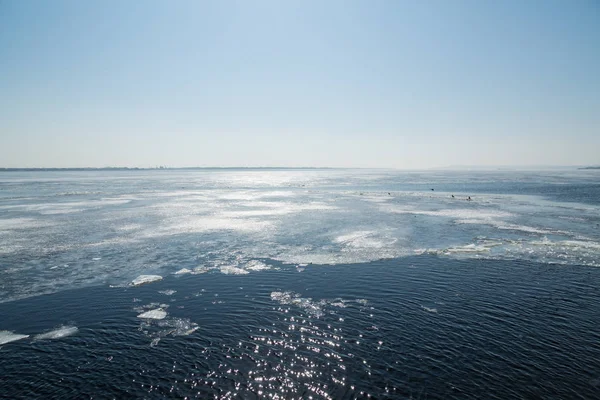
340,303
168,292
96,258
58,333
201,270
231,270
429,309
256,265
158,313
425,251
307,304
183,271
168,327
178,327
140,280
469,248
9,336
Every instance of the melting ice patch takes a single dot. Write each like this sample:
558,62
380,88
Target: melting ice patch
58,333
208,223
558,251
463,214
340,303
469,248
307,304
311,307
256,265
478,217
363,239
231,218
254,195
9,336
183,271
580,244
232,270
129,227
142,279
160,328
530,229
201,270
482,246
178,326
158,313
545,250
71,207
9,224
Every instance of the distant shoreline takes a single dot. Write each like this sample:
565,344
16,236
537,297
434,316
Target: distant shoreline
148,169
163,168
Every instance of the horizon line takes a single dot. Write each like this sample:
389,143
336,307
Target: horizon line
162,167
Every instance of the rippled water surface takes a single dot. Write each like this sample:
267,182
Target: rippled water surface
298,283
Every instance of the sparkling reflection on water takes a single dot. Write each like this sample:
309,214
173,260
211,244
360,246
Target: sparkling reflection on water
419,327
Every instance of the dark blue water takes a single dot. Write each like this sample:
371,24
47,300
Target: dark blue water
299,283
421,327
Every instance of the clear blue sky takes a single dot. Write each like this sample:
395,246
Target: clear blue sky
376,83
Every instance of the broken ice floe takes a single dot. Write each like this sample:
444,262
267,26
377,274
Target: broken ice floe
315,308
256,265
183,271
58,333
158,313
140,280
9,336
158,329
232,270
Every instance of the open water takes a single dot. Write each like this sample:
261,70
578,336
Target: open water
297,283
